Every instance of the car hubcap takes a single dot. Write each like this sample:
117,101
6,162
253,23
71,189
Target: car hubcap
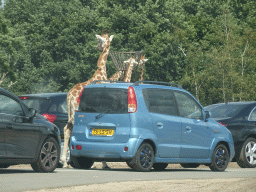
145,157
221,158
250,152
49,155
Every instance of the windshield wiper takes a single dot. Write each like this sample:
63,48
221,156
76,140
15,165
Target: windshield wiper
98,116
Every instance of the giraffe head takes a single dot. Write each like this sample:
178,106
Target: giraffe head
142,60
103,41
132,62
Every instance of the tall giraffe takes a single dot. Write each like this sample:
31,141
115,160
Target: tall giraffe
142,63
72,96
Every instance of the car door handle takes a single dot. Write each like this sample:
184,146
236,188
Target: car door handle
160,125
188,128
10,126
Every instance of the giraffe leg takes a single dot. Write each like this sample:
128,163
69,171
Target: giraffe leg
67,133
105,165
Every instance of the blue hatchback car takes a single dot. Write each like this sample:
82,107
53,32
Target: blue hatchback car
146,124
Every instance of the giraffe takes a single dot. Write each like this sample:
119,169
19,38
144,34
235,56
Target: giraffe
132,63
142,62
128,74
116,76
72,96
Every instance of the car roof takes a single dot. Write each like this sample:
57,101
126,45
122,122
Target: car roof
144,84
236,103
45,95
7,92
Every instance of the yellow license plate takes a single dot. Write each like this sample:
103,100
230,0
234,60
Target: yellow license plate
103,132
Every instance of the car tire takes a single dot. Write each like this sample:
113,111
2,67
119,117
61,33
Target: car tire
189,165
4,166
160,166
247,158
220,158
48,157
144,158
81,162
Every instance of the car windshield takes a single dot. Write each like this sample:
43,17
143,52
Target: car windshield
100,100
41,105
224,110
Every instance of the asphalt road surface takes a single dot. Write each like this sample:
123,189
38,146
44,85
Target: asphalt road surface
120,178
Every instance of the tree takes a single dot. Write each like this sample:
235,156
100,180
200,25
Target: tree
10,48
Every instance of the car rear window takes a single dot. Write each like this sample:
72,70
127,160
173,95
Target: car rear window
99,100
41,105
224,110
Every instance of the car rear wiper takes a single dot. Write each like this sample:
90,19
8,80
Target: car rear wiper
98,116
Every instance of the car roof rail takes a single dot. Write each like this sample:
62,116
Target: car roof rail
157,83
106,81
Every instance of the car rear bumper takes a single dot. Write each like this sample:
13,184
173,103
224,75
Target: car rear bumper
105,150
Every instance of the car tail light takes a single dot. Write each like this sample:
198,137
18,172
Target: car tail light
79,99
222,124
23,98
132,101
50,117
78,147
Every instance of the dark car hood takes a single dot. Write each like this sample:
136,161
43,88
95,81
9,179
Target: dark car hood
221,119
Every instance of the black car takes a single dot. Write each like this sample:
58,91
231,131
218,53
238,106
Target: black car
53,106
26,137
240,119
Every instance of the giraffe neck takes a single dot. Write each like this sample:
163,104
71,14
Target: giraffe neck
128,73
101,71
141,72
116,76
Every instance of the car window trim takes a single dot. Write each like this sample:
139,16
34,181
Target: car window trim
202,109
251,113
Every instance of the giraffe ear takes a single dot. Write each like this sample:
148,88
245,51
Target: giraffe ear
145,60
111,37
98,36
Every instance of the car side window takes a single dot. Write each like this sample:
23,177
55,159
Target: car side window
10,106
63,108
187,106
253,115
160,101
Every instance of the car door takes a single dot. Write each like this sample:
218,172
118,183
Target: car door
2,128
166,123
196,137
21,135
62,115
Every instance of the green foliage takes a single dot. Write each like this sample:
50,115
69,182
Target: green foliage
208,46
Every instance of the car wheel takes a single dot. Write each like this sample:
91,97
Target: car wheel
81,162
220,158
189,165
49,156
131,165
247,157
144,158
4,166
160,166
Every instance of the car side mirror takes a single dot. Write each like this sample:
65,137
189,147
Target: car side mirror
207,115
32,112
